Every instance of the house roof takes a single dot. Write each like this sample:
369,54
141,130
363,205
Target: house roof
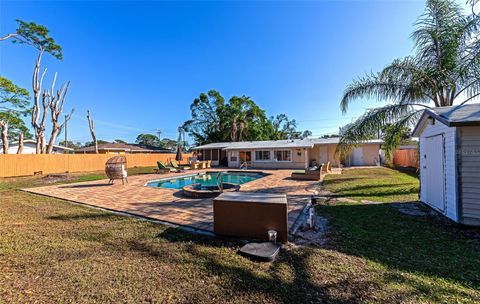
461,115
272,144
113,147
153,148
35,142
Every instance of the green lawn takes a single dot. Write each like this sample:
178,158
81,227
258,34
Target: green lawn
29,181
375,184
54,251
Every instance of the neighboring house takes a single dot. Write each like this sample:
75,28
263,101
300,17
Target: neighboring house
287,154
114,148
153,148
450,161
29,147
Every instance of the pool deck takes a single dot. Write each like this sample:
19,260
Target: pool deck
168,205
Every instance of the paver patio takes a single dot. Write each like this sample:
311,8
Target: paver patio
168,205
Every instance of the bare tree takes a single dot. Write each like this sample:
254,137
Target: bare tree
4,127
38,37
56,103
20,143
92,131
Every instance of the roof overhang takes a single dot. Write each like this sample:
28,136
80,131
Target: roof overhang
449,123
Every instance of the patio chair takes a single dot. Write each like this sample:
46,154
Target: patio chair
116,168
175,165
162,166
313,173
162,169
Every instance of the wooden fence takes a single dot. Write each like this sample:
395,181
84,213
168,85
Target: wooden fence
406,158
28,164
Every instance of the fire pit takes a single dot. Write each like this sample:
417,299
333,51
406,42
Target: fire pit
199,191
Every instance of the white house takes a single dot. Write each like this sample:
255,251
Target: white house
287,154
29,147
449,140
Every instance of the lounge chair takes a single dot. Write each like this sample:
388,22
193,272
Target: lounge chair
175,165
162,169
162,166
313,173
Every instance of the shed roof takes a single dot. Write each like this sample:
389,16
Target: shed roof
453,116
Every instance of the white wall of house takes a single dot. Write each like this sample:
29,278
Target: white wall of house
446,183
28,148
289,159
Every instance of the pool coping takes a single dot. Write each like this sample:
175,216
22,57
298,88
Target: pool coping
181,175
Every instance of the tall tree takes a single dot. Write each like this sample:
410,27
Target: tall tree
37,36
91,126
443,71
13,105
148,139
284,128
168,144
205,124
238,119
55,104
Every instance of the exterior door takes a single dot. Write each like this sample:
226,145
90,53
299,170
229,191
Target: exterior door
357,157
323,157
434,172
245,156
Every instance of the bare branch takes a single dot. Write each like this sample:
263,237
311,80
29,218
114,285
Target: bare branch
8,37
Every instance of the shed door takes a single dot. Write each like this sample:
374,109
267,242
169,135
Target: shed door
434,169
357,157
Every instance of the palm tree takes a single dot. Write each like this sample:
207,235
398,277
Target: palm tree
443,71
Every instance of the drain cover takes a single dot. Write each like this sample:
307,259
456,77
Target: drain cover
266,251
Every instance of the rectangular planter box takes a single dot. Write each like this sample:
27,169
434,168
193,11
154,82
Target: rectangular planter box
251,215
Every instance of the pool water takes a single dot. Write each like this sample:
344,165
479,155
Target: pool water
206,179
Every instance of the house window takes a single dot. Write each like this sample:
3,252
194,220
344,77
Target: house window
283,155
262,155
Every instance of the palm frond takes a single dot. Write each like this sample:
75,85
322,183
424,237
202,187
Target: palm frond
372,86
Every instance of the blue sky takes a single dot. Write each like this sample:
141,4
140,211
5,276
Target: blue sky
138,65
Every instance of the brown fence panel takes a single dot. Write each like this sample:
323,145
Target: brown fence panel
406,158
28,164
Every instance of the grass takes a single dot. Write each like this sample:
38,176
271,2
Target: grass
375,184
15,183
54,251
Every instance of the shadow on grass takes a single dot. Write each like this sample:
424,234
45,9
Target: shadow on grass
305,285
83,216
241,276
415,244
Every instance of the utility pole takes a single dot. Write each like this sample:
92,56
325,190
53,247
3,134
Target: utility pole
159,132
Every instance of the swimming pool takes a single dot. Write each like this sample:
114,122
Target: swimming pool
206,179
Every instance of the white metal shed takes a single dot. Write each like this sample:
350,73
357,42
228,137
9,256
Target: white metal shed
449,140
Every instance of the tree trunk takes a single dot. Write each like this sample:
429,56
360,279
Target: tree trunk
4,126
55,104
20,143
38,127
51,142
92,131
